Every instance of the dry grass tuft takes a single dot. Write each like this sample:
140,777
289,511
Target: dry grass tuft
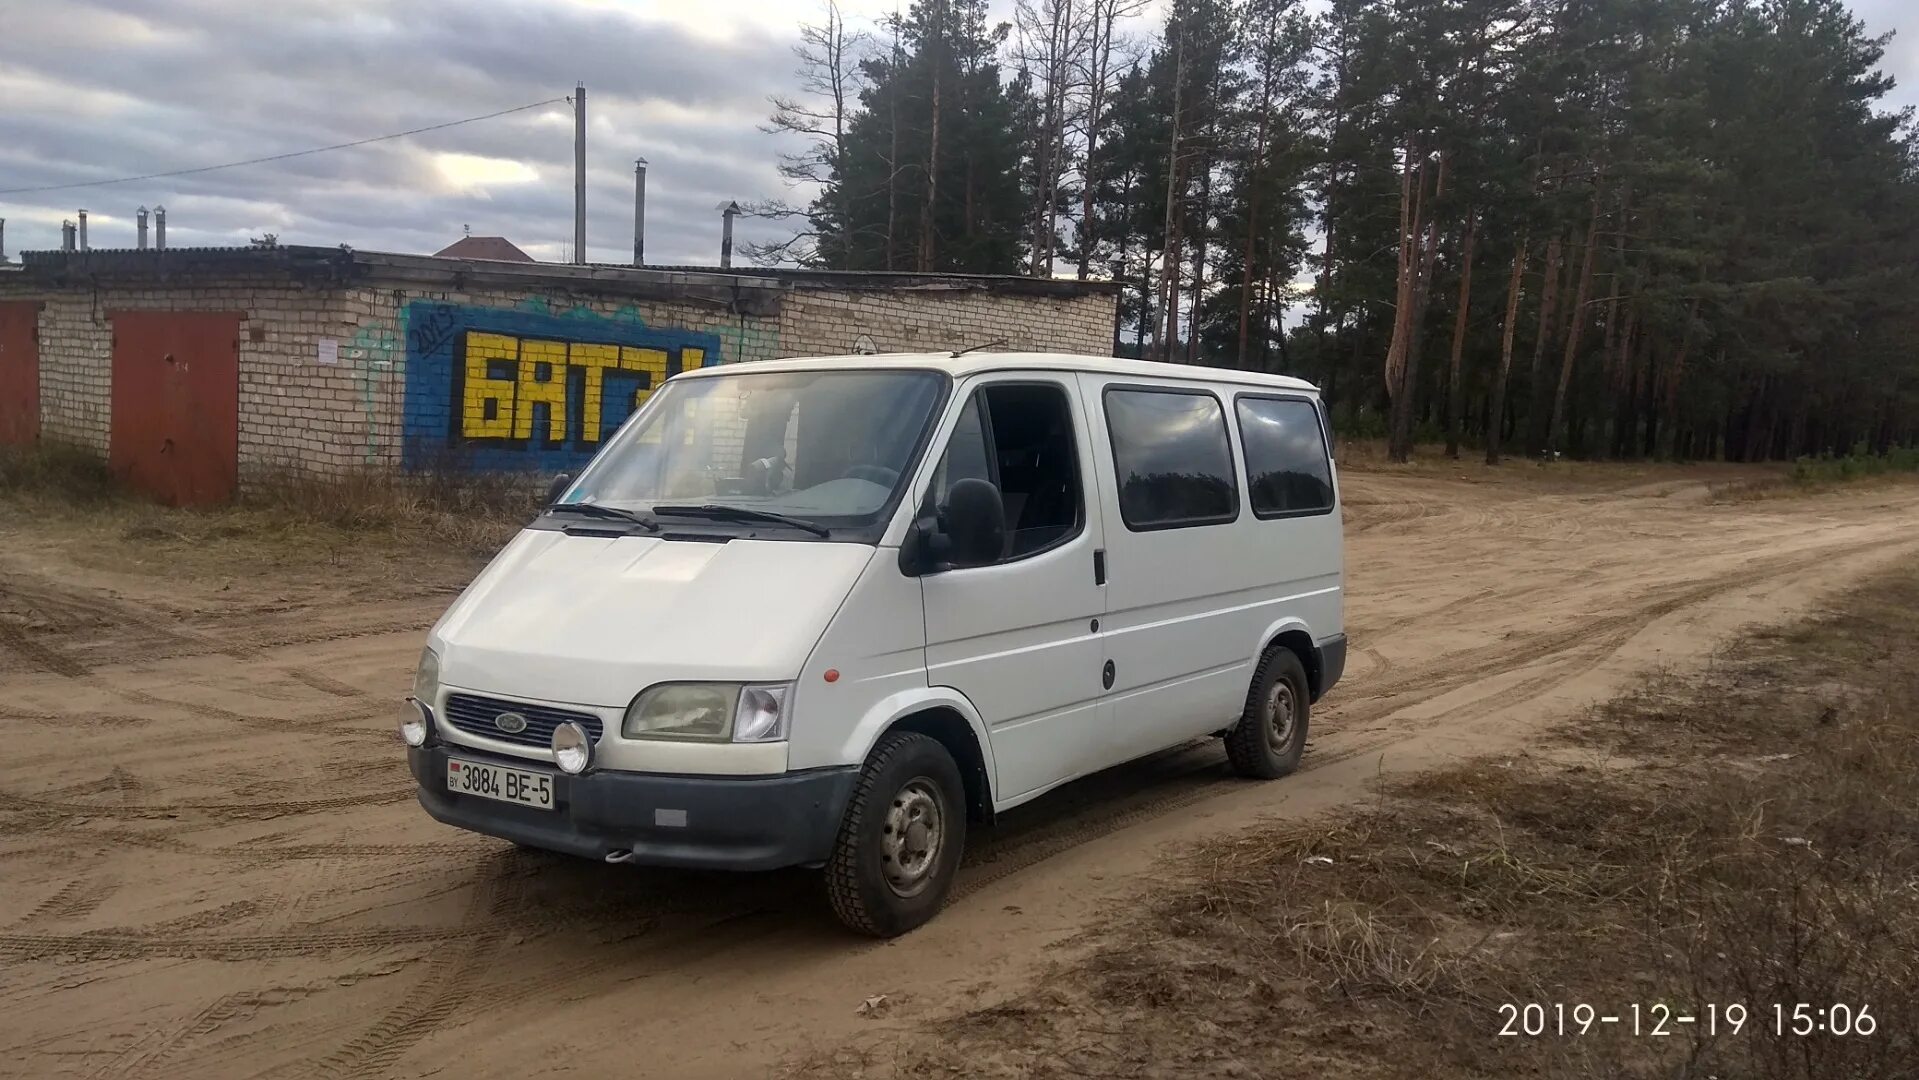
70,472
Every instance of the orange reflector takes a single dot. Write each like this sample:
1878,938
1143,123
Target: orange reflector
832,674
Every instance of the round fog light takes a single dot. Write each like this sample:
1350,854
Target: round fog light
572,749
413,728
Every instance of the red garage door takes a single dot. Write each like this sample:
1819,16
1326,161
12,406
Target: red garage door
19,372
176,404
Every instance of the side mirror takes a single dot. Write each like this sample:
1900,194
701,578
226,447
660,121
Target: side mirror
558,488
974,520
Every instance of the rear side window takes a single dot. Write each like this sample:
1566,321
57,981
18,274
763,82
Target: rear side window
1286,460
1171,458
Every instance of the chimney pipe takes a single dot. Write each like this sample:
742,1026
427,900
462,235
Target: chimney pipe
140,219
639,212
3,240
83,230
727,215
159,228
66,236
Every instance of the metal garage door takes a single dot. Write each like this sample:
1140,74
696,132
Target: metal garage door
19,372
176,401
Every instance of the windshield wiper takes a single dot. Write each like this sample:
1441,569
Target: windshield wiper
744,513
596,510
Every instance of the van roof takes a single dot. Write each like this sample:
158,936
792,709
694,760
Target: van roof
973,363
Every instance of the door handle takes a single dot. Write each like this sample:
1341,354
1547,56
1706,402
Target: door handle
1099,566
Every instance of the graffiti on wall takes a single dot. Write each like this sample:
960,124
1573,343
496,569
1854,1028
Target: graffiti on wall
525,388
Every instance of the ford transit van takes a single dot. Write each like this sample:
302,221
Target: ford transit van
829,612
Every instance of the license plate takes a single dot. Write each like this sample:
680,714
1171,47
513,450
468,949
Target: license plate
496,782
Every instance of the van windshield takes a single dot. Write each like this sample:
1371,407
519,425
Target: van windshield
829,447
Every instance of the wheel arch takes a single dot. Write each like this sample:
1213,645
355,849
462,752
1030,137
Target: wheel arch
1292,633
948,718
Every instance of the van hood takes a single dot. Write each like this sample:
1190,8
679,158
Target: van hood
593,620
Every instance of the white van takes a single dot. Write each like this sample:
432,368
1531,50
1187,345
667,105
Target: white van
826,612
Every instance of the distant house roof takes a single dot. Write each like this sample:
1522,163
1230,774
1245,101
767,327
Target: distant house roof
497,248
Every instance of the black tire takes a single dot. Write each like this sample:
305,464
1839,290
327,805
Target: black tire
1262,746
871,890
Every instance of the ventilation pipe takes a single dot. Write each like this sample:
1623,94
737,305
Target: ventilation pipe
140,220
3,240
639,212
66,236
83,230
159,228
727,214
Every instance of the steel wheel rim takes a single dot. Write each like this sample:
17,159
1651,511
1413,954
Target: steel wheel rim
1282,713
911,837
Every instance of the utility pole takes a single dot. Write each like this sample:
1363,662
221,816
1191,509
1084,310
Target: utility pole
579,173
639,212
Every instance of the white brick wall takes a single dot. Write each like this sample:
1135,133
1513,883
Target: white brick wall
909,320
298,413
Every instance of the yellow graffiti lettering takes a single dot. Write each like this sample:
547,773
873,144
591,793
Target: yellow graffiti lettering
505,379
651,361
595,359
476,420
531,389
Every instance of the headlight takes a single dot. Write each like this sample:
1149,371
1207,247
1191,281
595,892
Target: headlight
682,711
426,678
572,748
712,712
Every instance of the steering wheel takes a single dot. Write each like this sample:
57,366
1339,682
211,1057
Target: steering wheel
876,474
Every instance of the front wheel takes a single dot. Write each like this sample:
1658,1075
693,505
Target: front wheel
1271,734
899,843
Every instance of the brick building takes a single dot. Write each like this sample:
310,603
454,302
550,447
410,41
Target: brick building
193,370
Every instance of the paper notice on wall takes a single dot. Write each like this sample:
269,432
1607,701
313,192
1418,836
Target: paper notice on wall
329,352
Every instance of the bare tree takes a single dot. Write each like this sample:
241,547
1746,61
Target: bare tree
1097,82
829,56
1057,42
1169,271
936,48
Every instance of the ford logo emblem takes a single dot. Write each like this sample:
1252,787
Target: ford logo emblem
510,722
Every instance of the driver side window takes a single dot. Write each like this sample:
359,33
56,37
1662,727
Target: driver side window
1019,438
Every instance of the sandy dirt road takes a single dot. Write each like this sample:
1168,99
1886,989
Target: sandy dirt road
211,864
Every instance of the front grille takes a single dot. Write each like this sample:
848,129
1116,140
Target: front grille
474,715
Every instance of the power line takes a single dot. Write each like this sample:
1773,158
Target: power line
283,157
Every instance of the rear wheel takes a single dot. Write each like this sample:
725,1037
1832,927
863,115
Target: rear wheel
900,841
1271,733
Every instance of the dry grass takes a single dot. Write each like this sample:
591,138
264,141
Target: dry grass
1369,455
436,523
1764,851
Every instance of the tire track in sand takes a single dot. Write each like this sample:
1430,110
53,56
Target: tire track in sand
454,979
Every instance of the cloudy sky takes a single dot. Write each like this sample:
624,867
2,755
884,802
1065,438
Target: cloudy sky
94,89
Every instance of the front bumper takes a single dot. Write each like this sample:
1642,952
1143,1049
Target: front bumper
698,822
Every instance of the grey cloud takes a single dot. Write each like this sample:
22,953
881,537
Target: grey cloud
198,82
213,80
